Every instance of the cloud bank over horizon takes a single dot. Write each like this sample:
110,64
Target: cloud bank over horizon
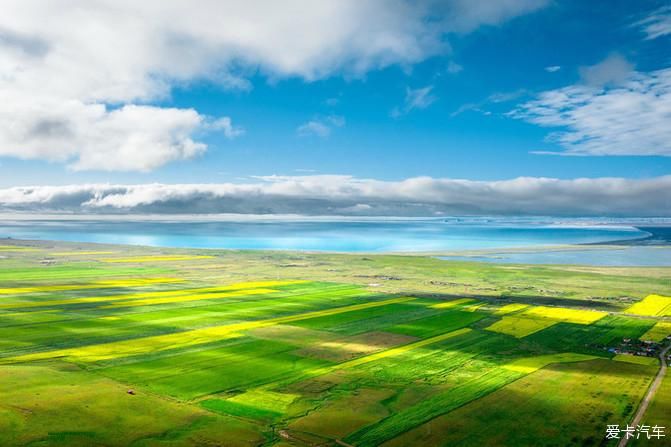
339,195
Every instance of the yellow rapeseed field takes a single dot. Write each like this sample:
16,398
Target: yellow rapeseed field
16,248
510,308
103,284
652,305
564,314
105,351
519,326
537,318
151,295
193,297
453,303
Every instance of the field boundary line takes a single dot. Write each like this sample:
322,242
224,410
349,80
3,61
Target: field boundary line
141,345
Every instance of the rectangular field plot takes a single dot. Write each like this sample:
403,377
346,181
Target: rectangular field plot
530,364
520,326
342,416
63,405
193,374
436,324
652,305
591,338
566,315
171,350
565,404
537,318
342,349
455,303
365,320
100,284
510,308
75,272
658,332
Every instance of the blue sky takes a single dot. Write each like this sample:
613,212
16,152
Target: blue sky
560,89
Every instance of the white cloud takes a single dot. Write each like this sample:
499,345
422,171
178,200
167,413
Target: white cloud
67,67
494,98
320,127
313,127
225,125
466,15
418,98
611,71
657,24
92,136
334,194
630,118
552,68
454,68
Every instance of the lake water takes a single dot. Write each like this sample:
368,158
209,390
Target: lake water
628,256
341,236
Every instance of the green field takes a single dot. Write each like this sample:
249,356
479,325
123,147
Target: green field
117,346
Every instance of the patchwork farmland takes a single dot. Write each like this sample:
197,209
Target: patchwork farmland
126,346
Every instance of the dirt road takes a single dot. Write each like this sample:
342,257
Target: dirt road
649,395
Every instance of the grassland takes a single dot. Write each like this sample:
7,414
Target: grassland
198,347
658,332
565,404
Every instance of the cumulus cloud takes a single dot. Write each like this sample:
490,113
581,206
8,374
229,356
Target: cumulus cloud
657,24
629,118
320,127
345,195
66,70
91,136
226,126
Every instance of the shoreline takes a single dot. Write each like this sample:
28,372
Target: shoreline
642,236
481,256
658,236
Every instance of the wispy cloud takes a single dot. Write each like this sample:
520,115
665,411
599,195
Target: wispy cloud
321,127
418,98
454,68
657,24
494,98
630,118
345,195
553,68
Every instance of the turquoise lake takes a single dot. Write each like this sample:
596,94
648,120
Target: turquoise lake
342,236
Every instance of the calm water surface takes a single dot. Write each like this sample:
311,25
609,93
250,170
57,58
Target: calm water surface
628,256
342,236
